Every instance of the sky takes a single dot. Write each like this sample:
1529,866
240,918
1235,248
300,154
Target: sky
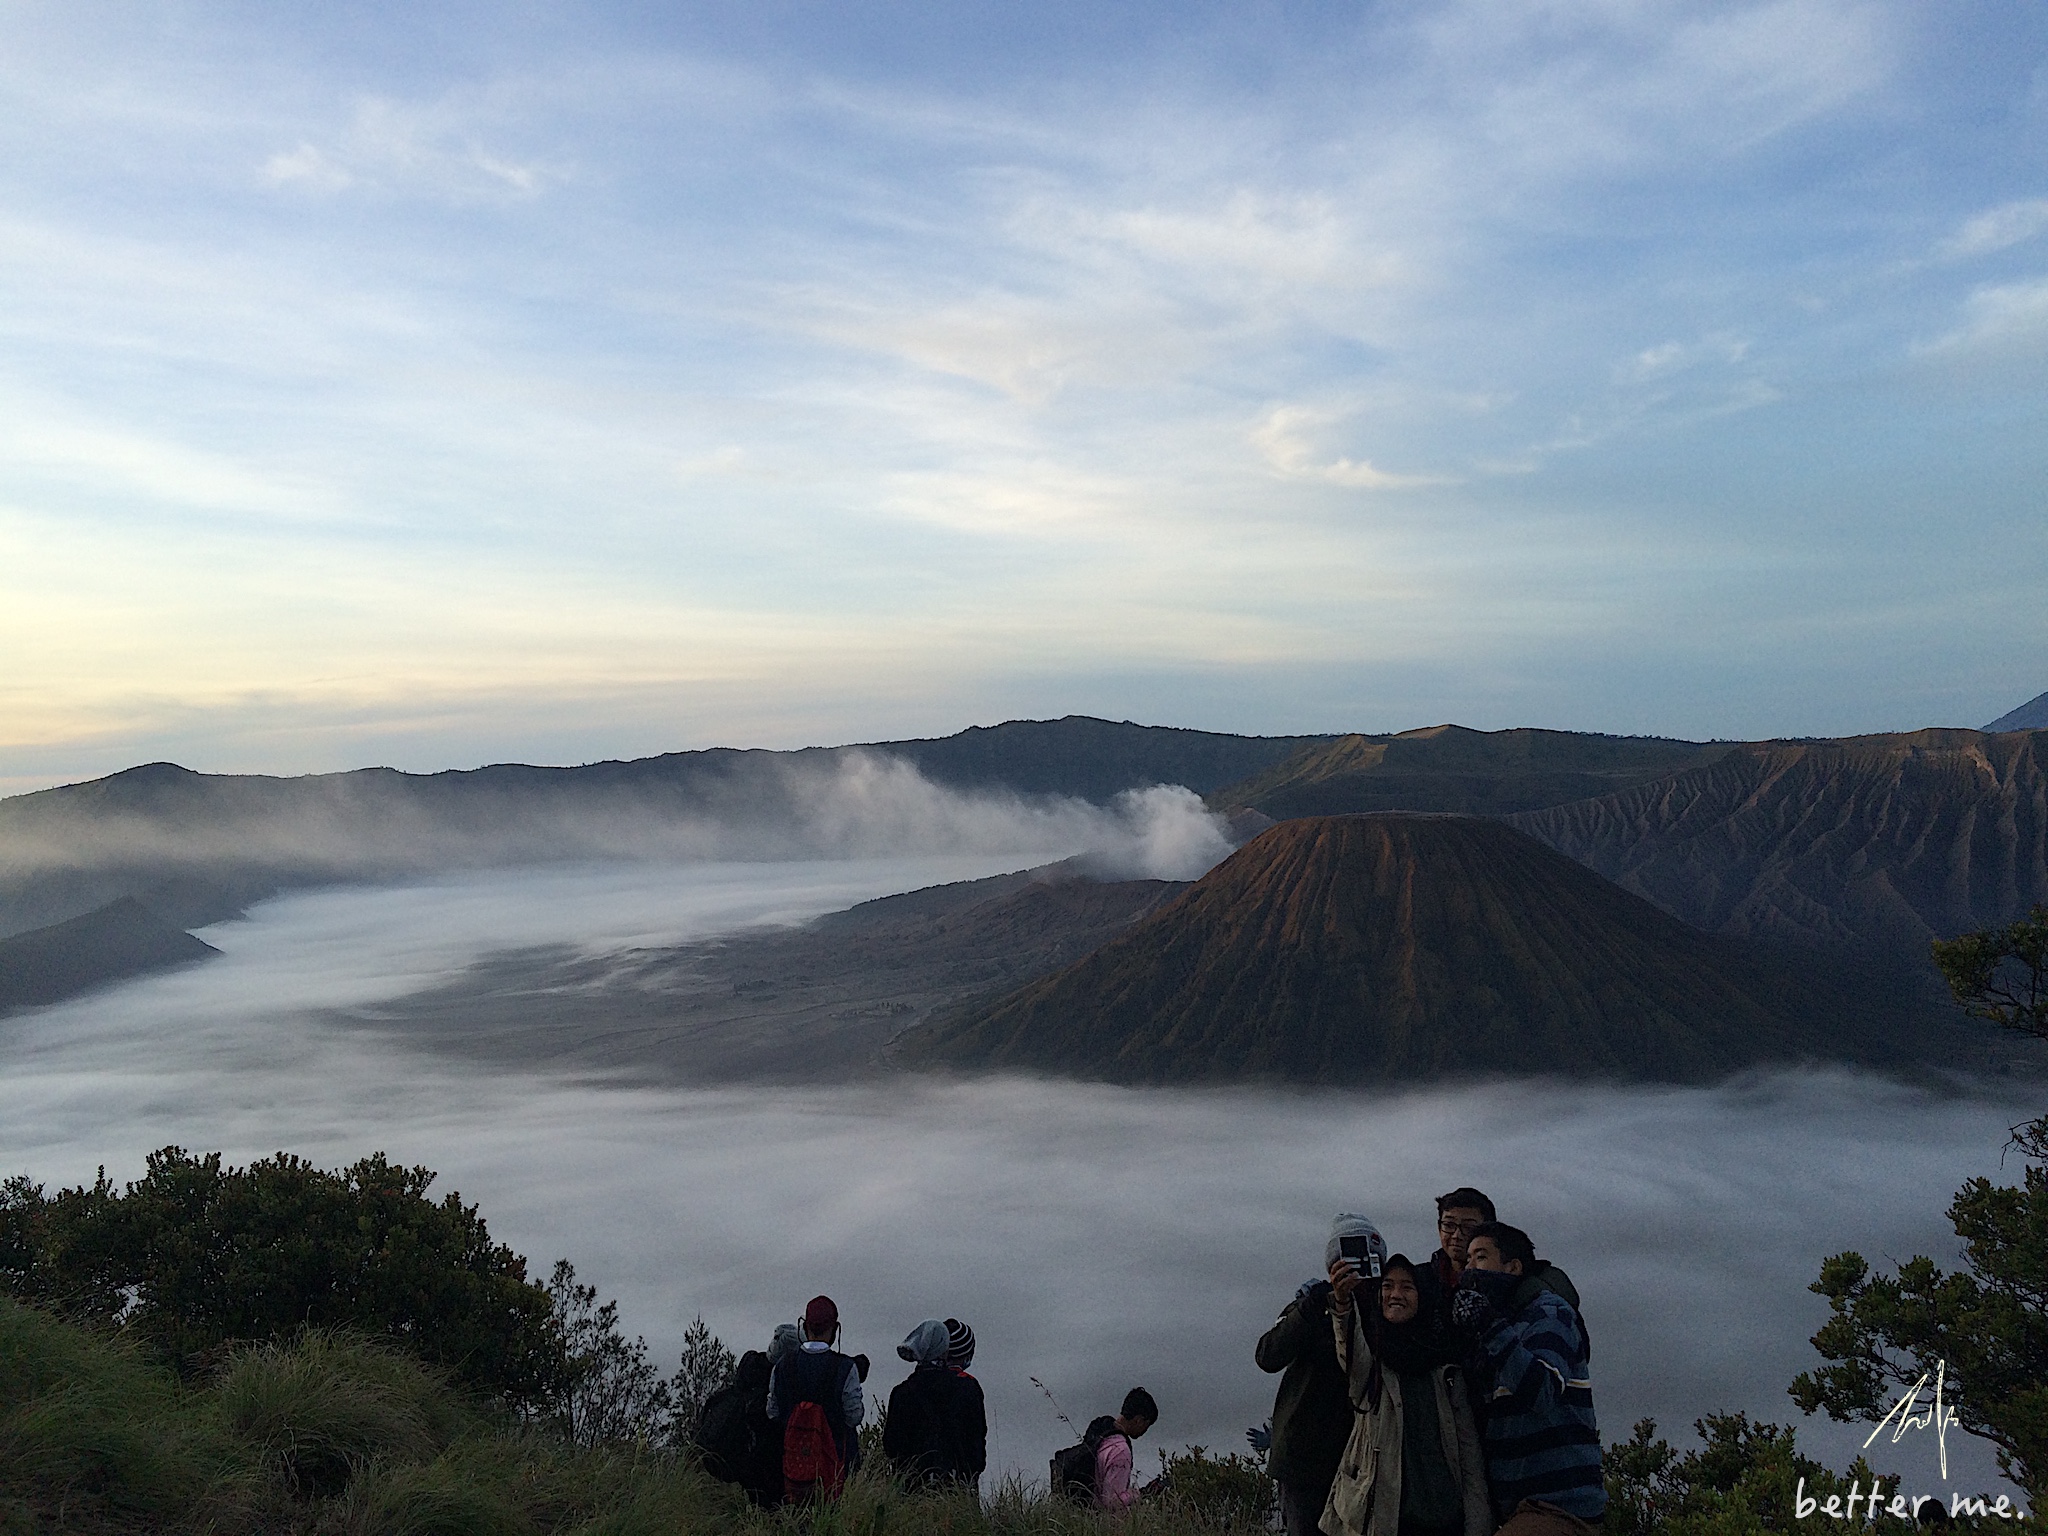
432,386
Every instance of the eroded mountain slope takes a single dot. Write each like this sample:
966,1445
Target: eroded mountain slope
1875,842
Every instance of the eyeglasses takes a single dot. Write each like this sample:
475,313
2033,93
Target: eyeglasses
1458,1228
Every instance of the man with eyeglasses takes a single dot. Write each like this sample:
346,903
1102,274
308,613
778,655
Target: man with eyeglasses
1458,1215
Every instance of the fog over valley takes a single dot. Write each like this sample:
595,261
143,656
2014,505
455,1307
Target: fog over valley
1093,1236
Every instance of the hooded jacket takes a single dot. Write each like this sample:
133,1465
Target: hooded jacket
937,1428
1365,1498
1542,1440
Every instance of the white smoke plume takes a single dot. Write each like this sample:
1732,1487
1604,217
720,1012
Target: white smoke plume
848,804
59,858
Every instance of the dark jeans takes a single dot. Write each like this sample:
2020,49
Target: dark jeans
1301,1507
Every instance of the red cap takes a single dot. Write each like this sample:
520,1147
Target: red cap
821,1317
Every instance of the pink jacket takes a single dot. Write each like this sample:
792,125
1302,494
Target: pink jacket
1113,1488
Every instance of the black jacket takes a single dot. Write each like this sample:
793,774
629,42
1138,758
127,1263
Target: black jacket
1312,1410
736,1440
937,1429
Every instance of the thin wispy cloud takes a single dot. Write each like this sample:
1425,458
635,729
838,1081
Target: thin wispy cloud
1286,437
1998,229
391,146
2000,317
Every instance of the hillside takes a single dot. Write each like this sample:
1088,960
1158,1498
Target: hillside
121,939
1094,759
1386,947
199,847
1450,768
2030,716
1881,842
817,1002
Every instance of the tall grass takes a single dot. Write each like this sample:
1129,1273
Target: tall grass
93,1425
335,1435
317,1412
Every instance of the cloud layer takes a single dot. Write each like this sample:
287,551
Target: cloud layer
1094,1237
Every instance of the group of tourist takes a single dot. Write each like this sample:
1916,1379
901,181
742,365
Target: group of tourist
786,1428
1447,1398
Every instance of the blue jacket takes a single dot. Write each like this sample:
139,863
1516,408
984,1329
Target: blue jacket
1540,1436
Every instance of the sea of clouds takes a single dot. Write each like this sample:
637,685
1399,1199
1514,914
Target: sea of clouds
1095,1237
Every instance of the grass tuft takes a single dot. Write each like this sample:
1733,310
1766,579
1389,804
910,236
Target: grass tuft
318,1410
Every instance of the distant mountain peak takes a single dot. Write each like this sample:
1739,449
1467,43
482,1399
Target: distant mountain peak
146,772
1396,947
2030,716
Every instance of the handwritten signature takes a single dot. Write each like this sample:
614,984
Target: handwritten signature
1908,1413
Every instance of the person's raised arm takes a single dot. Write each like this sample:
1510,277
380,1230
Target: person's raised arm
1538,1359
1345,1283
1282,1344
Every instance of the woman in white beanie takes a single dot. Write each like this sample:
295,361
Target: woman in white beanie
1413,1465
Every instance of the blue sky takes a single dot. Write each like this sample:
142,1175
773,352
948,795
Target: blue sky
440,385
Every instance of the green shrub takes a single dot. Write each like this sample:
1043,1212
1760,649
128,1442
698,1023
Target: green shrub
1741,1482
196,1256
436,1499
1229,1492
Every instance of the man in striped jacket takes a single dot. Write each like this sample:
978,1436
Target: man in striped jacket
1542,1444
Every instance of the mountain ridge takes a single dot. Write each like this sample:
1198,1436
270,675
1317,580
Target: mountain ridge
2030,716
1455,768
116,942
1879,843
197,848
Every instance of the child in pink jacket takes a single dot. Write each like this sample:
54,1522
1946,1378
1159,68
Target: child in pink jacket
1113,1488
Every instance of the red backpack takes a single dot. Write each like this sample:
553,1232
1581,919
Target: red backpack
810,1456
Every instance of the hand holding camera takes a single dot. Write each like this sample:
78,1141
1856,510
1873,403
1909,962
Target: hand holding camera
1357,1264
1361,1254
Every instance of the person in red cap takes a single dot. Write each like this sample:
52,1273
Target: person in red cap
815,1395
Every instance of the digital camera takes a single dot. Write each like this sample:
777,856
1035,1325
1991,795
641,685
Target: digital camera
1361,1254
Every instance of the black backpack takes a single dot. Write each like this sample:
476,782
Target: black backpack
1073,1469
725,1427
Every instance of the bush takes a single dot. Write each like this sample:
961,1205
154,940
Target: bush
1984,1327
1740,1482
609,1391
334,1435
196,1256
435,1499
1229,1492
94,1425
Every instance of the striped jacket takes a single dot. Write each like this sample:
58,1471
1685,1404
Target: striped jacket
1540,1436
